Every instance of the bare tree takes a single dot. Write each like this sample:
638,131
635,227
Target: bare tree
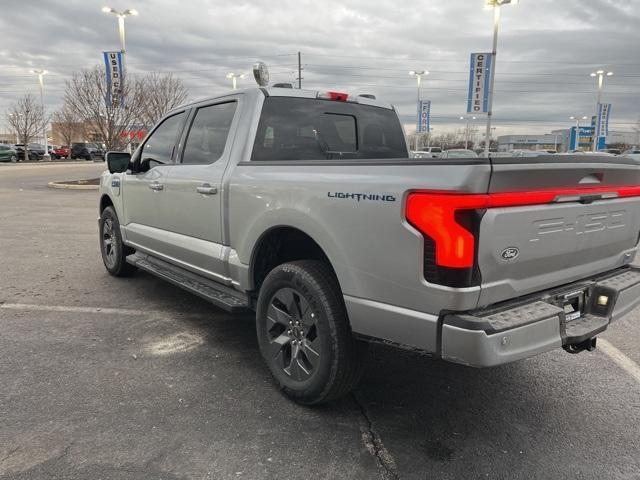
68,125
25,118
87,96
636,129
162,92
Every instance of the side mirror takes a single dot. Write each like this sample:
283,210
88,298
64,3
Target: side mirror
118,162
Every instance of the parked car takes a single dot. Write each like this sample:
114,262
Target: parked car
633,153
60,152
88,151
32,155
458,153
37,148
429,152
613,151
8,154
301,206
528,153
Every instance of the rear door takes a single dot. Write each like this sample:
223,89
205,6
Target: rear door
589,224
194,190
144,193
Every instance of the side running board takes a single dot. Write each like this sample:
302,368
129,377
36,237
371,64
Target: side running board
218,294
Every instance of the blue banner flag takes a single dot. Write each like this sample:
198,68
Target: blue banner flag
424,116
479,79
113,63
602,120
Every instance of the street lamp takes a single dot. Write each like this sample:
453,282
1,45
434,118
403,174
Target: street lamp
599,75
577,120
495,5
41,74
467,131
234,79
418,74
121,16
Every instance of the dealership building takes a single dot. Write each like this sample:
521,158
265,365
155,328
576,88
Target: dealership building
562,140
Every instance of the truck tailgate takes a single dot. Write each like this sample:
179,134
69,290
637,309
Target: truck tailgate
589,226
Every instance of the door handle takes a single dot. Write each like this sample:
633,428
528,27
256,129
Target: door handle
156,187
206,189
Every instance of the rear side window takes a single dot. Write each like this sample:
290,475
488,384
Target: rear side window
310,129
208,134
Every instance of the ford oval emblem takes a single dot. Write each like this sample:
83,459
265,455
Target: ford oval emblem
510,253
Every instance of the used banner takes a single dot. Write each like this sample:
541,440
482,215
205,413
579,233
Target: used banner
113,64
424,116
479,78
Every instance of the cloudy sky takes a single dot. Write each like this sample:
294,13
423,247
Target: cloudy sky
547,49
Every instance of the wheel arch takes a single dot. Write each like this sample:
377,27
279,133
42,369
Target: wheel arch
284,243
105,201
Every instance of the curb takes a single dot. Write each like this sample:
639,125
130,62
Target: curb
71,186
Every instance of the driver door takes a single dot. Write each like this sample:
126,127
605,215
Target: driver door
144,197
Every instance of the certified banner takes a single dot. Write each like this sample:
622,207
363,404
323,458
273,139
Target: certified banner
113,63
602,120
479,78
424,116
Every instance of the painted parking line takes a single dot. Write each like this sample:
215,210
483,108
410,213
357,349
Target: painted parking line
620,359
61,308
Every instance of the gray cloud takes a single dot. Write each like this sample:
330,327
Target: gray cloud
547,49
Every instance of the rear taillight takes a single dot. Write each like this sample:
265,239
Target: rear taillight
450,224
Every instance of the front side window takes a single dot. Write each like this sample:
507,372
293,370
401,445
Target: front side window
158,149
310,129
208,134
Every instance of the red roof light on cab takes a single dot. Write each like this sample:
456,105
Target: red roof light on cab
335,96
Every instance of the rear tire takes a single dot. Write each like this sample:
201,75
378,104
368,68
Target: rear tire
14,159
304,333
114,252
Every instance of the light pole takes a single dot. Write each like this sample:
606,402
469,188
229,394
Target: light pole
467,131
234,79
599,75
577,120
495,5
418,74
121,16
129,12
41,74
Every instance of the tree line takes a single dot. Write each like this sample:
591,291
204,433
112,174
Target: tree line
146,98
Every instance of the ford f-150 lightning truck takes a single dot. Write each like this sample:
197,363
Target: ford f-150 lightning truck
304,207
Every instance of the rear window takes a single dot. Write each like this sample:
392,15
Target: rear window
436,150
305,129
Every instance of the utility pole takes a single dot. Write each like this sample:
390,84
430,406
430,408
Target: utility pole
299,71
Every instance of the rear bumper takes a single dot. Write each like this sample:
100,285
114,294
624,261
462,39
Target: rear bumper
538,323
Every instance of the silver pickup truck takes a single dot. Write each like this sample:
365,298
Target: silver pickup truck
304,207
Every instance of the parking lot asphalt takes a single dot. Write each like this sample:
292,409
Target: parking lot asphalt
105,378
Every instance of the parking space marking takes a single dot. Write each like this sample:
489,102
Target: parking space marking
60,308
620,359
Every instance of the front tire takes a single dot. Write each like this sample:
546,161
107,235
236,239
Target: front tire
304,333
113,251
